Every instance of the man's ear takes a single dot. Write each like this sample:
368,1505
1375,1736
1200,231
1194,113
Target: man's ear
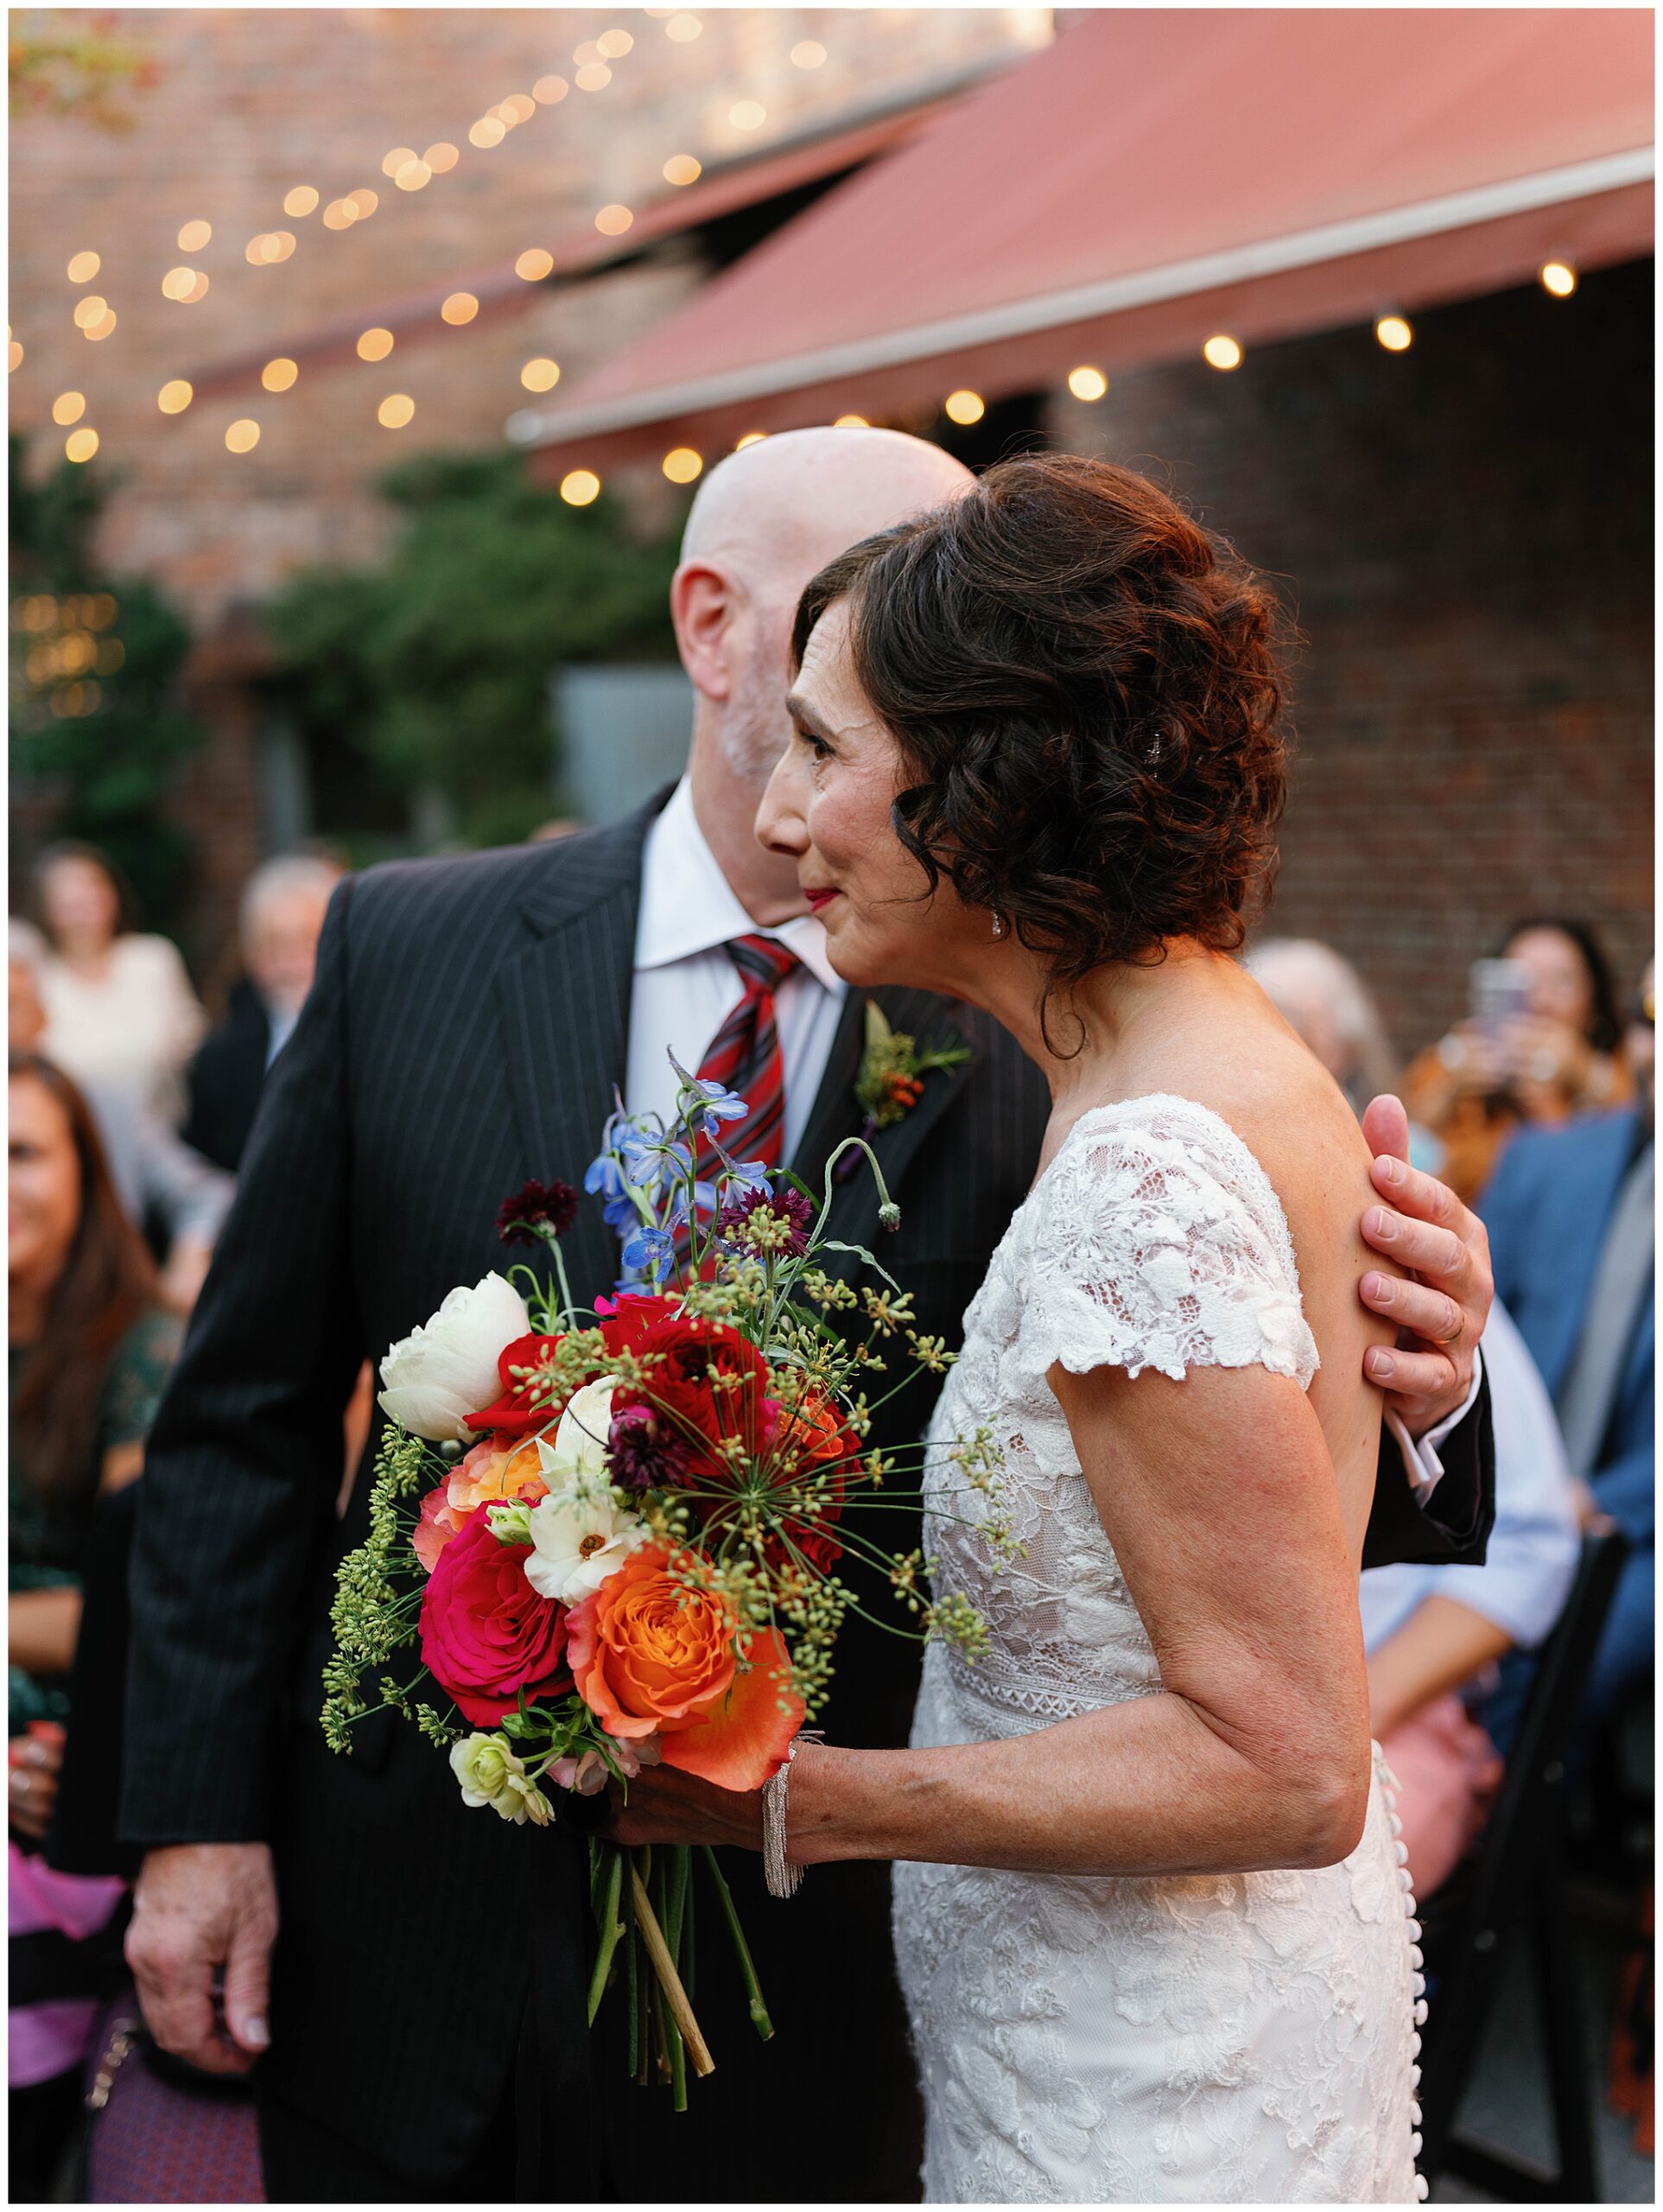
704,603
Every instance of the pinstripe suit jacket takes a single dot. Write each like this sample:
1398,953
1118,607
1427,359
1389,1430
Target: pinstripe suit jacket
464,1031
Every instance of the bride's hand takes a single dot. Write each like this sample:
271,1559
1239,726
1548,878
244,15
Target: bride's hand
666,1806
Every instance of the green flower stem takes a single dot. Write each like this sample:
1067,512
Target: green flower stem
765,2026
610,1927
857,1144
669,1981
632,1979
677,2044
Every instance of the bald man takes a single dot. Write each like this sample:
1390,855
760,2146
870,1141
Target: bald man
420,2035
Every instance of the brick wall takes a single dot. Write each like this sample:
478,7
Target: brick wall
1465,532
251,103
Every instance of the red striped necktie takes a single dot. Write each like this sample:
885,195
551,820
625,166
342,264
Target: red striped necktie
745,1057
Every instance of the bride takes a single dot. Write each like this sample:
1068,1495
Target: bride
1149,1914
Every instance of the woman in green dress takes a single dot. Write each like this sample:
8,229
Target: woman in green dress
90,1349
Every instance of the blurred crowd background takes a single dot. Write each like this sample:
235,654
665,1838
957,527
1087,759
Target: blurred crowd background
326,588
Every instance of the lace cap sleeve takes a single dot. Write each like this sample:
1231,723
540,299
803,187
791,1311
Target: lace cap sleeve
1157,1240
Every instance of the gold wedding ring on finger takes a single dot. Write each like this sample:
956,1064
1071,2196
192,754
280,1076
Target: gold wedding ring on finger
1460,1327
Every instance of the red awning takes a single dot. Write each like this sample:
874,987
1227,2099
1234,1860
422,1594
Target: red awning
1154,177
584,253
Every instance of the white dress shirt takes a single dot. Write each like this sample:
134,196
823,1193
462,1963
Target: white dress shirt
686,986
1532,1558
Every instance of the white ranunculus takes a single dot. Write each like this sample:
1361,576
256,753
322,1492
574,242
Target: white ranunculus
578,1539
439,1373
576,1460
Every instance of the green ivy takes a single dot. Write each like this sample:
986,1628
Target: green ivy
435,665
99,742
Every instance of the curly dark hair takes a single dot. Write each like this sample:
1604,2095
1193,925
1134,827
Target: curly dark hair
1087,686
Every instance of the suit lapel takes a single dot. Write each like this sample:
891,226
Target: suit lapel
565,1008
837,1113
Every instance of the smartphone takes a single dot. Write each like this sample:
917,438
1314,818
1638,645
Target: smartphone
1501,992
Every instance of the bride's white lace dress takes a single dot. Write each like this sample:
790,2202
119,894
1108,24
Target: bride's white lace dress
1232,2037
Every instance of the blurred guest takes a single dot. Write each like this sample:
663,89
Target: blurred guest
167,1188
120,1009
1570,1216
1320,994
283,906
1432,1632
1557,1057
90,1349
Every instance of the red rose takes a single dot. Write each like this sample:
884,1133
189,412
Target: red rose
711,1385
622,1329
485,1633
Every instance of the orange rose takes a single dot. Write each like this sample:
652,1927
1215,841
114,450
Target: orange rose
652,1657
500,1468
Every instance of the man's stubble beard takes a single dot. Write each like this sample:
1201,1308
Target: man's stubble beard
756,729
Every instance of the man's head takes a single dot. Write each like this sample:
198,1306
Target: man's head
765,520
282,918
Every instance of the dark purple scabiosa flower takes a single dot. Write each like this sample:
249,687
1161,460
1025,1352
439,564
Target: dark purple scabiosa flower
644,1452
780,1222
537,1213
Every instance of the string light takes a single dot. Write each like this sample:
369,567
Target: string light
193,237
850,423
613,45
90,311
487,131
1088,383
682,28
174,396
279,375
339,215
460,308
441,158
81,445
750,438
965,407
375,344
413,175
363,202
1560,278
198,291
580,487
747,115
540,374
534,264
588,52
83,268
301,201
682,169
394,411
69,407
612,221
808,53
681,464
1221,353
593,77
102,326
1395,333
13,350
391,163
521,105
243,436
548,92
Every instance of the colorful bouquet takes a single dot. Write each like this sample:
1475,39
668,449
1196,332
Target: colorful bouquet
613,1535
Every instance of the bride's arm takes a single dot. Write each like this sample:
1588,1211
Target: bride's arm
1219,1497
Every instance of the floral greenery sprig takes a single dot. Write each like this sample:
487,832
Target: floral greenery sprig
889,1083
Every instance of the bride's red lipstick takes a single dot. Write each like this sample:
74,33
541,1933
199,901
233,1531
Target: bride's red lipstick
818,898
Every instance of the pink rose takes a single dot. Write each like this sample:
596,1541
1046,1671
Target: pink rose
439,1523
487,1634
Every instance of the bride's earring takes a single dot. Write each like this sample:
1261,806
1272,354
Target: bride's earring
999,925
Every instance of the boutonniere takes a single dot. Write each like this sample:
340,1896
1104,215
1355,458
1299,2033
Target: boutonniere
892,1069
